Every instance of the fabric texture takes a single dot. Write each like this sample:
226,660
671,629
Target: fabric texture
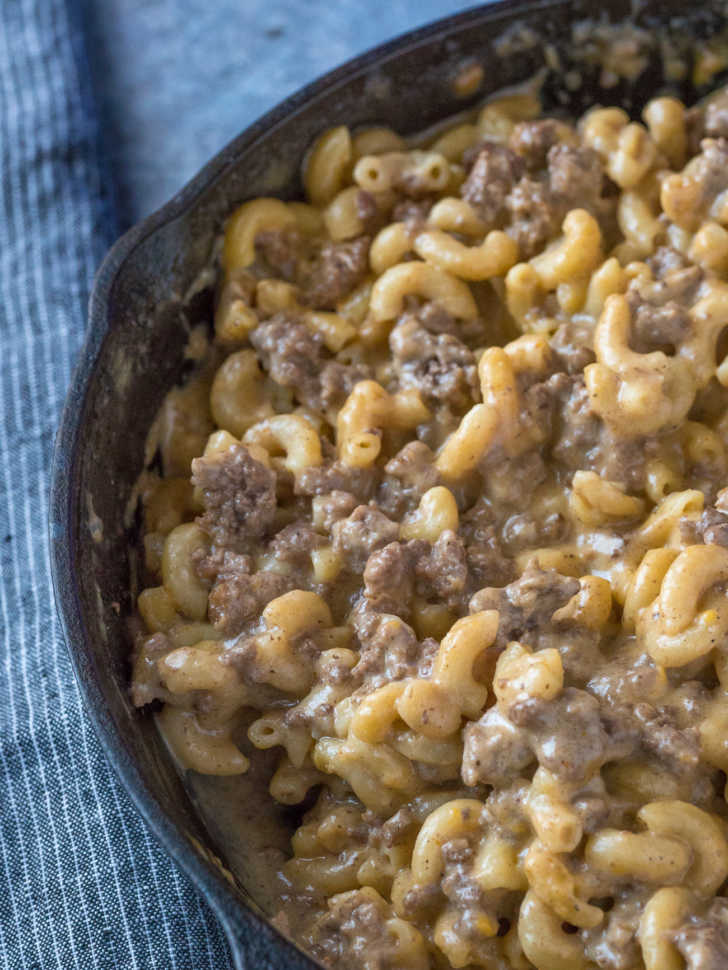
83,883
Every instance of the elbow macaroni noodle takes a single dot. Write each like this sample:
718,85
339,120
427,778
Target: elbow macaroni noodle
455,550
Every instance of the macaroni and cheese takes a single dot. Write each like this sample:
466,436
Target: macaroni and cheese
441,520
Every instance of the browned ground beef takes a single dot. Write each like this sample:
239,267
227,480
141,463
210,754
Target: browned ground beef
334,274
389,579
325,274
238,597
281,251
527,605
335,476
495,171
533,139
713,527
716,117
389,649
336,383
440,366
533,215
372,217
703,941
354,927
291,353
360,533
239,496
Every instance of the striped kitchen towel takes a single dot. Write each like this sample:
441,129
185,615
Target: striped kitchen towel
83,885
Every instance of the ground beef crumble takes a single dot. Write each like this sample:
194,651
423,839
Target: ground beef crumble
438,365
290,353
238,597
703,940
325,273
338,269
239,496
529,186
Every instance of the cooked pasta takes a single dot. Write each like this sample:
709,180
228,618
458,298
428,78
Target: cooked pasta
442,521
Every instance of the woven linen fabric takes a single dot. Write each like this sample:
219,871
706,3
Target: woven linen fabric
83,883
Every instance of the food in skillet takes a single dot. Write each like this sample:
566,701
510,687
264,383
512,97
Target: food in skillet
442,520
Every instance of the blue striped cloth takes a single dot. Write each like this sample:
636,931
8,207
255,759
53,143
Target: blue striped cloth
83,883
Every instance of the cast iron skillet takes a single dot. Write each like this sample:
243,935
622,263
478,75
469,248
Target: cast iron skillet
141,310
